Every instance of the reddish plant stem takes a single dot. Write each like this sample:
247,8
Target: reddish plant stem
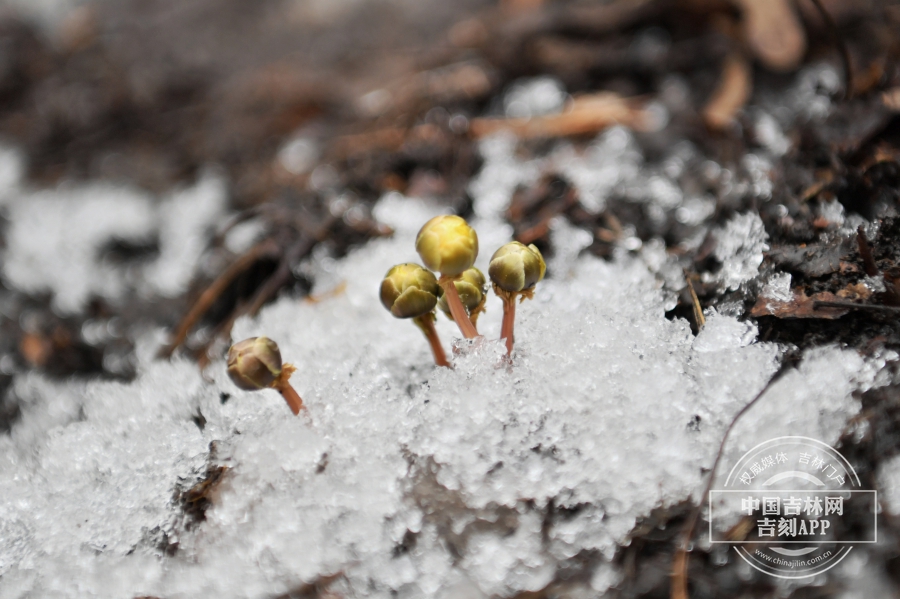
457,310
509,319
473,315
426,323
290,395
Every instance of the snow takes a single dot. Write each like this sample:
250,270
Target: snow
740,246
47,13
778,288
594,413
56,237
609,162
74,224
186,218
299,154
889,484
404,479
534,97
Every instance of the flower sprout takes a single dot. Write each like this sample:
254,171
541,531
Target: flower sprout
514,270
410,291
448,245
255,364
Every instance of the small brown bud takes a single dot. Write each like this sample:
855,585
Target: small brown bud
254,363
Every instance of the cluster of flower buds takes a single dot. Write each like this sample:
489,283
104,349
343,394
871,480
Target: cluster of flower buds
449,246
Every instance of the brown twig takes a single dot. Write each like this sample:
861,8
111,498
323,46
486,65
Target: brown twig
234,221
699,318
268,289
855,306
679,588
263,249
773,31
281,275
282,272
585,115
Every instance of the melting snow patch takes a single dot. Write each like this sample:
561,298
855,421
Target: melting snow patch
56,238
407,480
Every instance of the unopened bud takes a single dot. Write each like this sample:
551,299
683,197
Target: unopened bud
447,244
254,363
516,267
408,291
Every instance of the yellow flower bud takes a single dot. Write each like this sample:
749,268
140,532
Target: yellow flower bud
254,363
447,244
408,291
471,288
516,267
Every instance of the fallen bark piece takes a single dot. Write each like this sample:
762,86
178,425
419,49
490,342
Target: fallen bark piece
732,92
773,32
799,306
584,115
